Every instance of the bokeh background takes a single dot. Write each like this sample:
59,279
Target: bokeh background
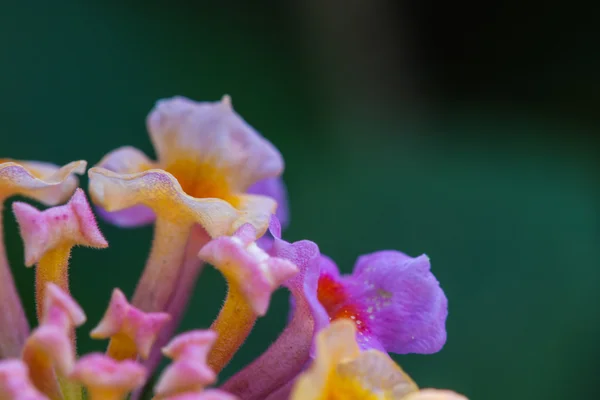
462,130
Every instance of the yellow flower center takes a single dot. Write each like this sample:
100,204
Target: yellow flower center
202,180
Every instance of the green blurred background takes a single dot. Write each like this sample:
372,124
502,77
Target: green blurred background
465,131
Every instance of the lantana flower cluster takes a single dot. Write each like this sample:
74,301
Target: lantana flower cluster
215,197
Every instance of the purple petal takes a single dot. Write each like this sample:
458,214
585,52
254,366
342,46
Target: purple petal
328,266
132,217
305,254
405,307
275,188
275,227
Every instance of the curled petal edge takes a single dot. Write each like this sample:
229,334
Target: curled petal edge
160,191
44,182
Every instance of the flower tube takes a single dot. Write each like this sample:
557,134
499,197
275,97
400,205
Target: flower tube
252,275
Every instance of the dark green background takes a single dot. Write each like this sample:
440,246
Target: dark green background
497,183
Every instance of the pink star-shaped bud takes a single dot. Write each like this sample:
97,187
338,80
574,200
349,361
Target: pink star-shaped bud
72,224
189,371
132,330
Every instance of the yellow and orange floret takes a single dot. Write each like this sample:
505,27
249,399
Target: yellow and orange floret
342,371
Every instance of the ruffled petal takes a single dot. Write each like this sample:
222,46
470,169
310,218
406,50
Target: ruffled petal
405,307
209,147
394,300
304,286
45,230
375,372
160,191
44,182
131,330
342,370
335,344
127,160
248,267
189,371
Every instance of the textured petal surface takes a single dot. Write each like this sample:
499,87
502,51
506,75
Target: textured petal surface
127,160
374,372
394,300
342,371
209,147
334,345
47,183
160,191
405,307
133,331
248,267
50,235
43,231
303,286
252,276
189,371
